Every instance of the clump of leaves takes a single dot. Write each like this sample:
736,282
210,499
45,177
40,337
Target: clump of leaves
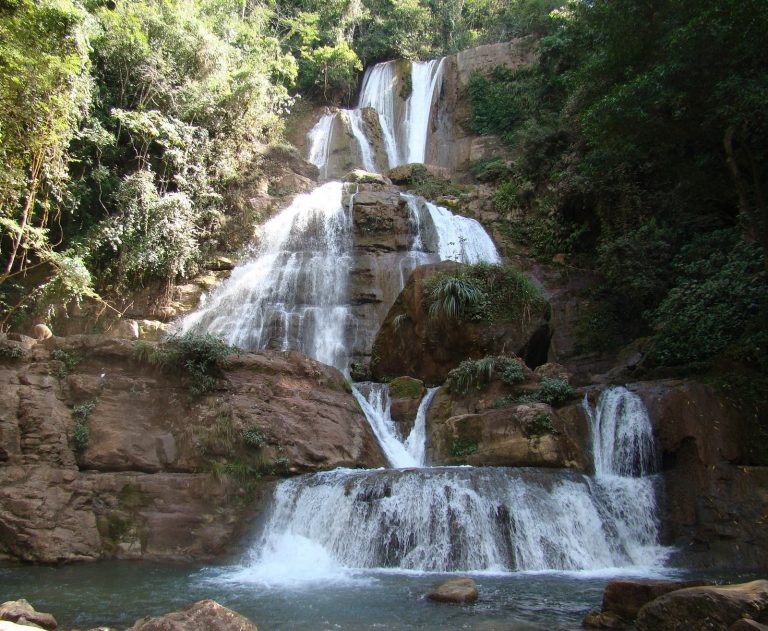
482,292
540,425
81,435
551,391
11,351
68,362
463,447
253,437
198,357
478,372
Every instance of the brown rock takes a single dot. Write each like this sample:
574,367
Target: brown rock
552,370
366,177
710,608
455,590
22,613
745,624
411,343
506,436
625,597
411,173
405,394
205,615
604,620
140,494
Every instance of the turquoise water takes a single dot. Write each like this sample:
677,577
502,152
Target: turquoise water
118,593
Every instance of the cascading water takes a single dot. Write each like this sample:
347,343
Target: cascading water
452,237
379,92
425,77
292,295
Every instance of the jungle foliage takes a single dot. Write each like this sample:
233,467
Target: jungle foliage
640,143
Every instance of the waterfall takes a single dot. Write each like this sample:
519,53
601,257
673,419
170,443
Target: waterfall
292,293
416,443
622,435
455,519
320,143
378,92
425,77
375,404
452,237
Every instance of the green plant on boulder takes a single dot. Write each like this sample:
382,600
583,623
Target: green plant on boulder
81,435
198,357
540,425
68,362
405,388
463,447
253,437
551,390
477,373
482,292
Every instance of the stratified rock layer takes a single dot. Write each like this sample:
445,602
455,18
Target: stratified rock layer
164,474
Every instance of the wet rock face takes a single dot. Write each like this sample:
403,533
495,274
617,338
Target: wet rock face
410,342
485,427
714,505
711,608
137,485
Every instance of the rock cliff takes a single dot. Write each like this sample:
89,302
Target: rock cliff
158,473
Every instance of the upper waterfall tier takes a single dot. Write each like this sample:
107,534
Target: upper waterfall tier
345,139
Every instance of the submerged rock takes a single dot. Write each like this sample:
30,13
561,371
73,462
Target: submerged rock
24,614
204,615
705,608
455,590
604,620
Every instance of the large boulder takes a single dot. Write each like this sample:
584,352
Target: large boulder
410,342
472,430
22,613
705,608
625,597
405,395
715,496
204,615
455,590
158,473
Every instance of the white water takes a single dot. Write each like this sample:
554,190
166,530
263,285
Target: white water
452,237
366,153
457,519
416,443
292,294
320,143
378,92
622,435
425,77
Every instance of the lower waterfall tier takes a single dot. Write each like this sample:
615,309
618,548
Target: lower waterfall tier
466,519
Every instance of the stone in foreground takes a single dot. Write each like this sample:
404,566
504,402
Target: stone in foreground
455,590
204,615
705,608
22,613
625,597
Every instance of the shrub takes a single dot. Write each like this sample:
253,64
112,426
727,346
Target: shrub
68,361
482,292
477,373
539,425
11,351
463,447
551,391
80,437
198,356
253,437
80,413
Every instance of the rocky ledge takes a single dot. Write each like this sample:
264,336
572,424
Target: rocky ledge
105,455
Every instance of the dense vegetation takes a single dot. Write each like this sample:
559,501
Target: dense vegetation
640,139
124,125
